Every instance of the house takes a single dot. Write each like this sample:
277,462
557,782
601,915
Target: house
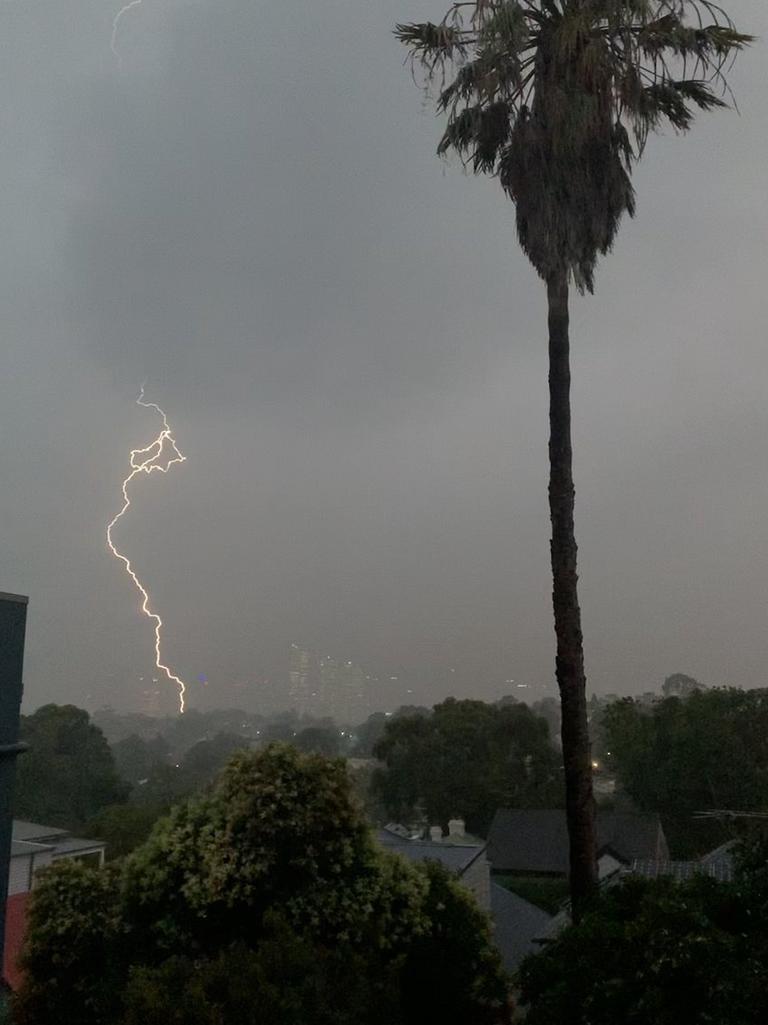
34,847
464,856
517,923
534,842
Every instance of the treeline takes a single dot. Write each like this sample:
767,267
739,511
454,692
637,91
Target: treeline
684,757
690,757
462,758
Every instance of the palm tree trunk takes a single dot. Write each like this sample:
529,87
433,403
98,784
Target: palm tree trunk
577,760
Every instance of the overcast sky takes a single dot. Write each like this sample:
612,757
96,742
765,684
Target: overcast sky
352,351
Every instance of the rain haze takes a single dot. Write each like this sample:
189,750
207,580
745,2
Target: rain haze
247,213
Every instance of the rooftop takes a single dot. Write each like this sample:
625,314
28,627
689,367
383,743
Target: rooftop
536,840
32,838
33,831
457,857
23,848
517,926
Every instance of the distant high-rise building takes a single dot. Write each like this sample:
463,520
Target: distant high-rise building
352,692
299,678
327,686
151,699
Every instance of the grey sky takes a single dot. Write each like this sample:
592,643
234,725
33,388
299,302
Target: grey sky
352,350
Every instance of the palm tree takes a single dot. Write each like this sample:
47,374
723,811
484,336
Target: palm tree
557,98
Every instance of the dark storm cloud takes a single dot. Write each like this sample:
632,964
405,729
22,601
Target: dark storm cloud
250,215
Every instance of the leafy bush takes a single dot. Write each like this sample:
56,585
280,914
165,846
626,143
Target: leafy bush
655,954
270,877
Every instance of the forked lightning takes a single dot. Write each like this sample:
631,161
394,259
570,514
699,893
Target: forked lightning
161,454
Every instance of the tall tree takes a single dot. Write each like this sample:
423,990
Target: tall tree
466,760
68,774
556,98
680,757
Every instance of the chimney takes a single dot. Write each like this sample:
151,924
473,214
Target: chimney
435,834
456,829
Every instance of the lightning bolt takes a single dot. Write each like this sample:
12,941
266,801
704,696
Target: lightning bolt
116,28
147,460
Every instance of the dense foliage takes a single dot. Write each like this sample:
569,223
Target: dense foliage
660,954
285,980
157,782
679,757
122,827
138,758
320,740
467,759
235,893
68,774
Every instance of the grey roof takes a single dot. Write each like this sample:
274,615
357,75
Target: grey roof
33,831
681,871
397,830
536,840
73,845
517,925
721,856
456,857
31,837
25,848
717,864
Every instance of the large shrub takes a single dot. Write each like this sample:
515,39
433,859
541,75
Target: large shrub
273,868
656,954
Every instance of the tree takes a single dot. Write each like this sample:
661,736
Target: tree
321,740
556,98
269,877
549,709
449,974
656,954
165,785
68,774
293,986
467,759
73,928
207,757
450,971
136,759
679,757
369,733
123,827
679,685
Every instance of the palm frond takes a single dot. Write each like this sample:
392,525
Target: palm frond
428,40
478,134
557,98
672,101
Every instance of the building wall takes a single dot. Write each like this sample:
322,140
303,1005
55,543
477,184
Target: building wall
19,875
22,869
15,928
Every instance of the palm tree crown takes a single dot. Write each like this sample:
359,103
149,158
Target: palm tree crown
557,98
